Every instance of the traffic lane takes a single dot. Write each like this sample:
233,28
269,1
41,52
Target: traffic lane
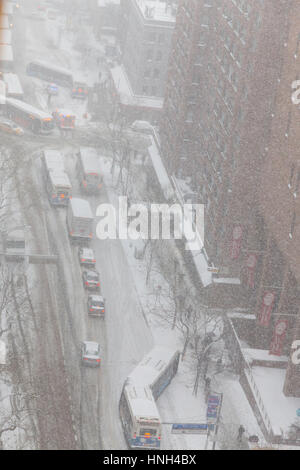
128,337
73,320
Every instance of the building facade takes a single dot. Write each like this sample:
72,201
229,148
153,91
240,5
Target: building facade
146,33
229,125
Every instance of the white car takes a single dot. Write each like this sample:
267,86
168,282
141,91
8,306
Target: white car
90,354
86,257
10,127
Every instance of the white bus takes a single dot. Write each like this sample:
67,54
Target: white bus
50,73
29,117
138,412
58,185
13,86
88,170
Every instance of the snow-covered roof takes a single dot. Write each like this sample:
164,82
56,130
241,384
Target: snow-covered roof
160,170
227,280
127,97
28,108
13,84
6,53
56,68
81,208
5,36
152,366
90,161
262,355
141,401
157,11
60,179
54,160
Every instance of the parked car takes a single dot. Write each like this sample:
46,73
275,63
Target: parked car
90,354
10,127
96,305
86,257
91,280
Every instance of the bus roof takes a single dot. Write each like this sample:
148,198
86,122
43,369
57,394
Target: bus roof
81,208
152,366
5,36
90,161
29,109
13,84
60,178
4,22
141,402
54,160
52,67
6,53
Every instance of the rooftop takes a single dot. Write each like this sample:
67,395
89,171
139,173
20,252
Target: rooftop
127,97
157,10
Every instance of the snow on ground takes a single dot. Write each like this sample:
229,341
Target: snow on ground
178,404
281,409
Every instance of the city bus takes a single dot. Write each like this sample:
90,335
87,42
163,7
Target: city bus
29,117
50,73
13,86
138,412
88,170
6,58
58,186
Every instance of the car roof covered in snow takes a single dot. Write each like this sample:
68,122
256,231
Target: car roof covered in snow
81,208
96,298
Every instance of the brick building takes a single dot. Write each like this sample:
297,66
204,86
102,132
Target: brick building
230,125
146,33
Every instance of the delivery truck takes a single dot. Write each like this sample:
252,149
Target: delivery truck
80,221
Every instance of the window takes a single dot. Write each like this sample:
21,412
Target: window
146,73
155,73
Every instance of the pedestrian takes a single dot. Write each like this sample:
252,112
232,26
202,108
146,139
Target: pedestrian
241,432
207,388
